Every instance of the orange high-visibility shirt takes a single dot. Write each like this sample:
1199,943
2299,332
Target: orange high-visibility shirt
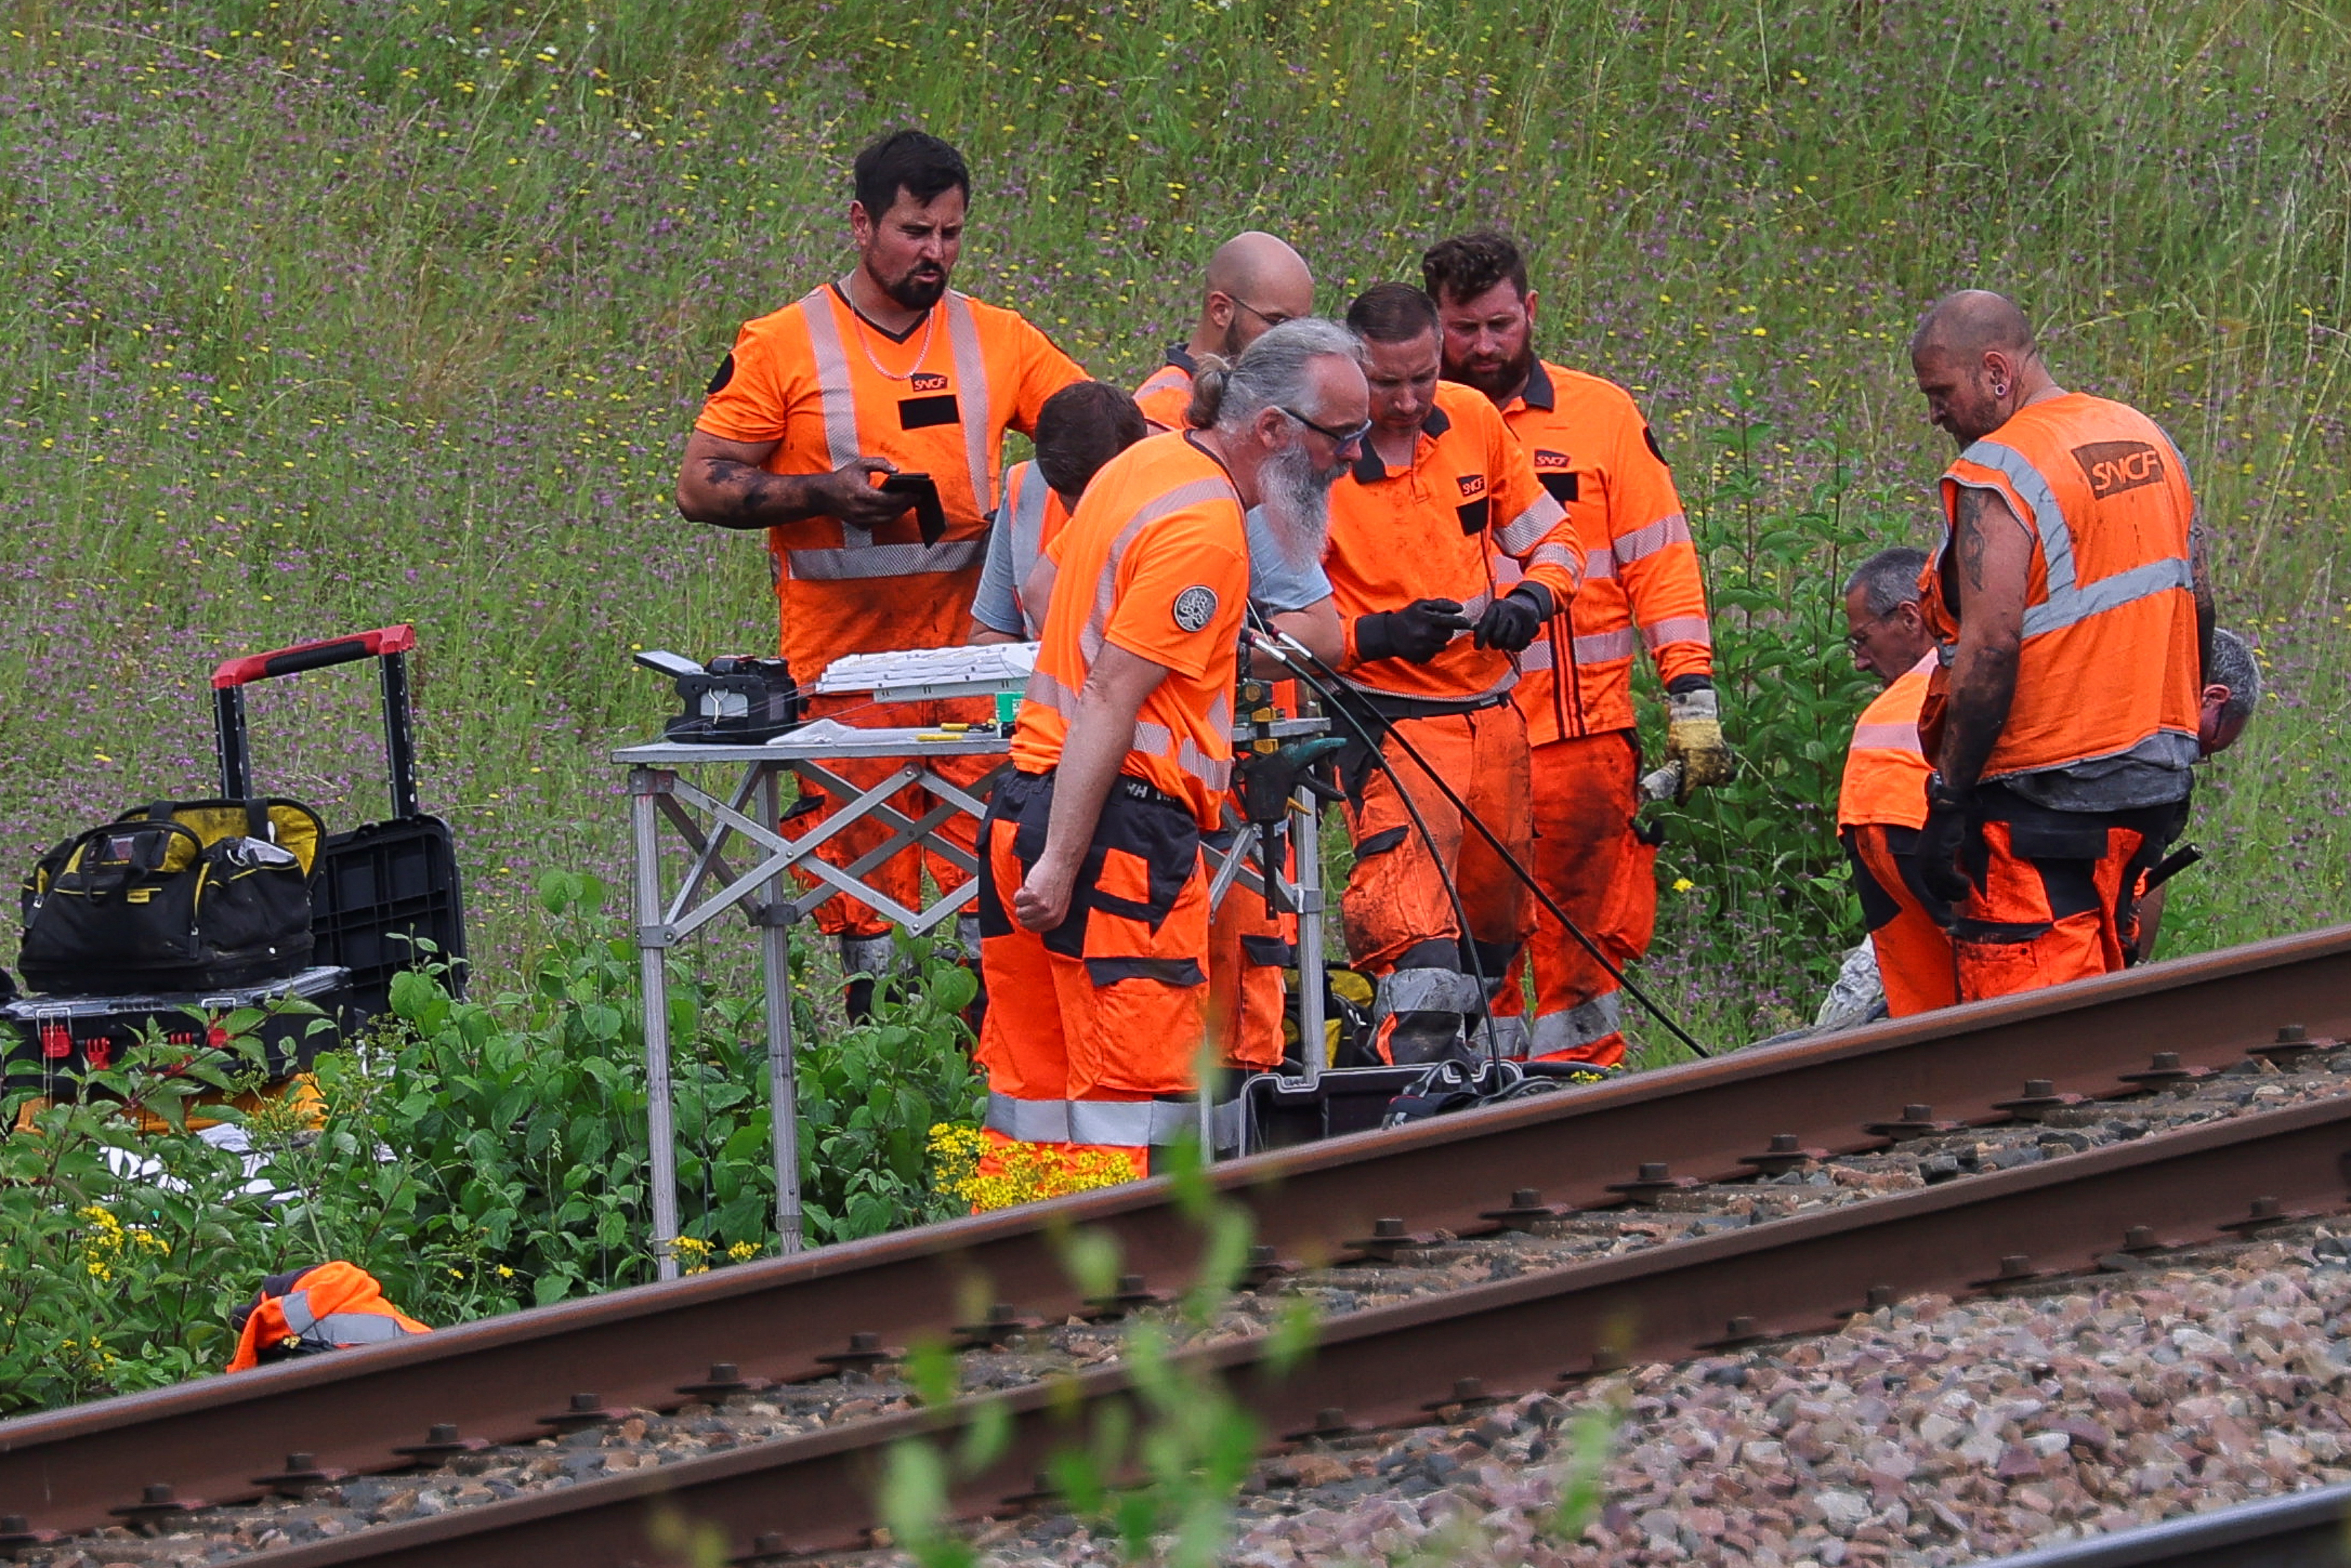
1886,768
1164,397
1155,561
1028,516
1642,585
2109,665
1433,530
827,385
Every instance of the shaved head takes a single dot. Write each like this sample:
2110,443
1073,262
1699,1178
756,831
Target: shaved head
1976,363
1254,280
1973,320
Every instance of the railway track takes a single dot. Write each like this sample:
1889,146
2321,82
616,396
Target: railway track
497,1381
2308,1529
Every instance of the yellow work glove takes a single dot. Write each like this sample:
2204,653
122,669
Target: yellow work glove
1694,740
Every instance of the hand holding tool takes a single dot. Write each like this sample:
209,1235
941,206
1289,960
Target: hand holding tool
1694,739
1416,633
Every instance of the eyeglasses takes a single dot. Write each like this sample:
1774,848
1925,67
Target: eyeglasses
1856,641
1341,438
1273,319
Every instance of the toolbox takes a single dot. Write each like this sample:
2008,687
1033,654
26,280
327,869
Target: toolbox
57,1039
382,889
1278,1113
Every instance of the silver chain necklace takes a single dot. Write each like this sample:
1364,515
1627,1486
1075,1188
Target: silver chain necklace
930,324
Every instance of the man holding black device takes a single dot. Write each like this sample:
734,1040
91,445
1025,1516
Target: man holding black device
860,427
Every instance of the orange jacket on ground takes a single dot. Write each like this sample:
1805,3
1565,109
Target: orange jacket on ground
1434,531
1167,392
827,386
1642,586
1155,561
2109,665
1886,766
330,1306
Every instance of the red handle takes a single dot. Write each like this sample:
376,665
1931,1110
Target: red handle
314,655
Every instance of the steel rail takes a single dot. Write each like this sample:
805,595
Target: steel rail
2305,1529
1395,1364
493,1379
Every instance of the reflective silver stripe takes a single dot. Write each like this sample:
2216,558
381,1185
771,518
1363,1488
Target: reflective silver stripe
295,1307
1657,536
834,394
1526,531
1887,738
354,1328
971,395
1190,493
1475,605
1599,564
1424,991
1131,1122
1037,594
1559,555
1027,1121
1507,1037
857,562
1046,690
1579,1025
1021,516
1535,655
1678,629
875,956
1599,647
2067,603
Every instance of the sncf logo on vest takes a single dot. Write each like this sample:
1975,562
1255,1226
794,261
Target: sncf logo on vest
927,381
1471,484
2113,467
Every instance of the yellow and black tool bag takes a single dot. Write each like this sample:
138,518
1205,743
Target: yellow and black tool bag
190,896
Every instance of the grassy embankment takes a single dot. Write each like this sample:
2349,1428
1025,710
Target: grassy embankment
317,317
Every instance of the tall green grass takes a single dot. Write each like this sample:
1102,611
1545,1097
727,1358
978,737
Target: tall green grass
318,315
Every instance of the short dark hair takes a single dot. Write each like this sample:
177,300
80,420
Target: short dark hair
913,161
1888,580
1082,427
1467,266
1391,313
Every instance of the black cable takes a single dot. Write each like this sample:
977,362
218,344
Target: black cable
1436,858
1521,871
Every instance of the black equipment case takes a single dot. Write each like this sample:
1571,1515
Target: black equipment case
381,887
1278,1114
67,1036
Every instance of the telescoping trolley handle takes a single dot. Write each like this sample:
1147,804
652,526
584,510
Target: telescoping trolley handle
389,643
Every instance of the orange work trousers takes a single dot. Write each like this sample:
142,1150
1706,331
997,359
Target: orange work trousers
1588,857
1915,962
2051,895
1093,1027
1395,897
1248,950
901,875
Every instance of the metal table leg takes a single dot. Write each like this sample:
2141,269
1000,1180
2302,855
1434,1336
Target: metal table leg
1306,843
653,956
783,1088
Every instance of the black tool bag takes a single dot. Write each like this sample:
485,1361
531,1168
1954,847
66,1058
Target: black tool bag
177,897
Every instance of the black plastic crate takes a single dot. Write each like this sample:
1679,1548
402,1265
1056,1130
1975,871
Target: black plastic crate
380,890
1344,1099
49,1041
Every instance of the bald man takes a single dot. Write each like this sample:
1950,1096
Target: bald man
2075,619
1255,282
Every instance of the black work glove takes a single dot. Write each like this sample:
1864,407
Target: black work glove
1416,633
1940,843
1512,621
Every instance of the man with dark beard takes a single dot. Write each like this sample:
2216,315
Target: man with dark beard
1093,902
1643,590
1441,492
886,374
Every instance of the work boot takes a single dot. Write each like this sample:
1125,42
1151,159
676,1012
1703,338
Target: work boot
1419,1015
865,962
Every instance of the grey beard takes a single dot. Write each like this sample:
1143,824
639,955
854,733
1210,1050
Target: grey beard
1297,501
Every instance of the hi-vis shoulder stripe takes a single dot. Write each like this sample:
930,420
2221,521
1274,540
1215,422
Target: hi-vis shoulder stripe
1526,531
1649,540
836,394
1191,493
1887,738
2068,603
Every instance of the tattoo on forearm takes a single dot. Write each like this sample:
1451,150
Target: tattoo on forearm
1970,524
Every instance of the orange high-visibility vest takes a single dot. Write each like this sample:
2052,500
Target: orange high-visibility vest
1030,516
2109,664
331,1306
1436,530
1164,397
827,385
1642,585
1886,768
1156,560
